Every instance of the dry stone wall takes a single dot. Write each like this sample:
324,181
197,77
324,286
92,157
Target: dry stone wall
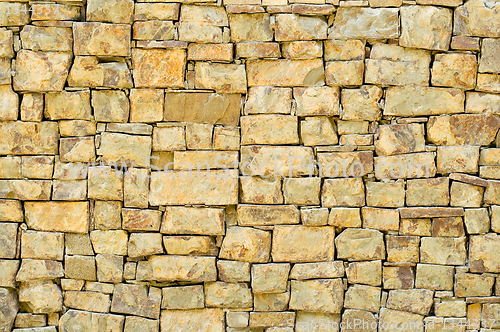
249,165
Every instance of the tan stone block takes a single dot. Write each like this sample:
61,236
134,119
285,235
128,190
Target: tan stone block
135,300
202,107
141,220
368,273
156,11
361,104
462,159
268,100
396,65
77,128
302,50
107,215
471,285
116,11
278,320
31,138
256,190
159,68
400,319
32,107
11,168
54,12
495,218
385,194
146,105
448,227
37,167
465,43
41,297
426,27
317,101
187,297
78,244
190,245
210,52
93,38
466,195
77,149
292,244
458,129
477,221
258,50
228,295
34,190
226,138
80,267
385,3
88,72
110,106
17,15
363,297
109,269
104,183
344,217
291,27
480,253
209,320
72,217
398,277
271,301
250,27
475,18
199,33
270,278
190,220
417,301
488,83
275,72
400,138
112,242
344,50
343,192
199,136
381,219
213,15
428,192
489,49
42,245
457,70
402,249
317,131
11,210
308,321
478,102
8,240
68,105
356,244
320,270
276,161
233,271
358,22
269,129
135,188
183,268
37,38
490,157
131,150
421,101
354,140
443,250
7,42
223,78
9,102
320,295
144,244
412,165
261,215
88,301
246,244
138,324
344,73
301,191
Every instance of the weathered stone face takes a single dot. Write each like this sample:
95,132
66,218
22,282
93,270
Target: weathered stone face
276,72
155,68
320,295
357,22
475,18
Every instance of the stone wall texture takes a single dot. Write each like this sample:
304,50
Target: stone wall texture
249,165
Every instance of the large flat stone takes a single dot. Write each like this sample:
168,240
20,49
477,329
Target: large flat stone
183,268
219,187
365,23
71,217
477,18
103,39
132,150
285,72
28,138
463,129
159,68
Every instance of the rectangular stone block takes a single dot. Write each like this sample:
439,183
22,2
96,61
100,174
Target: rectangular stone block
183,268
26,190
278,160
103,39
69,217
285,72
269,129
191,220
159,68
28,138
358,22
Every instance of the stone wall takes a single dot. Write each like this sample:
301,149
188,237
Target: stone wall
249,165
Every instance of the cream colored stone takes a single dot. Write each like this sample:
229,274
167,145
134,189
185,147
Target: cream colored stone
183,268
318,131
18,14
112,242
476,18
246,244
457,70
363,297
469,285
443,251
368,273
344,50
320,295
268,100
317,101
144,244
256,190
190,245
209,320
135,300
413,165
356,244
8,240
223,78
269,129
303,271
101,39
381,219
88,72
276,72
358,22
302,50
47,38
260,215
344,73
291,27
250,27
41,297
276,160
190,220
302,191
423,101
116,11
466,195
42,245
228,295
343,192
292,244
361,104
344,217
159,68
233,271
385,194
88,301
